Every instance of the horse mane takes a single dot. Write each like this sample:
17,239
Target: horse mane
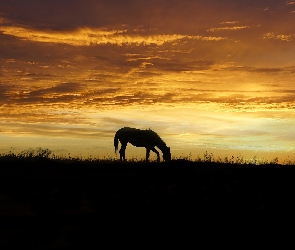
155,135
151,132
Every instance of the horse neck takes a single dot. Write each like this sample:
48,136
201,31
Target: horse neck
161,144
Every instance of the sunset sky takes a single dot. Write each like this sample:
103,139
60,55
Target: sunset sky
206,75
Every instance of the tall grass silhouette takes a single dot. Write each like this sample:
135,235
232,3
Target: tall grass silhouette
44,154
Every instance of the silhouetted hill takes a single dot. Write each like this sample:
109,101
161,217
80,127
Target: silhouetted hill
55,203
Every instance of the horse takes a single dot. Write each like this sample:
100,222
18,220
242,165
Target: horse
141,138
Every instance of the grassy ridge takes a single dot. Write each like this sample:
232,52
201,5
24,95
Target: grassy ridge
52,202
43,154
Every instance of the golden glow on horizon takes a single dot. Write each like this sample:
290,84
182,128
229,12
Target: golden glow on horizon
200,129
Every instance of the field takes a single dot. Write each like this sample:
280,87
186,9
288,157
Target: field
53,203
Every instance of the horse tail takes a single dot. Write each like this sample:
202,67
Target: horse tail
116,142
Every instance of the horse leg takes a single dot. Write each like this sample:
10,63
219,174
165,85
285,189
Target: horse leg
158,155
147,154
122,152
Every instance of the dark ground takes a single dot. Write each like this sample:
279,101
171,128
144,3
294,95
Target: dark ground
48,204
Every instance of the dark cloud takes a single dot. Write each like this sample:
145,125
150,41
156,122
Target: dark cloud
47,14
55,130
64,92
109,74
172,15
65,87
176,65
267,70
256,69
153,65
5,93
171,65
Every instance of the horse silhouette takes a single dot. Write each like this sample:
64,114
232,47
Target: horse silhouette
141,138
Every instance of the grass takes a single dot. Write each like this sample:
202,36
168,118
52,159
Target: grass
41,154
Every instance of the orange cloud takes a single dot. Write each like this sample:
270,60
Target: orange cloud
230,22
88,36
282,37
229,28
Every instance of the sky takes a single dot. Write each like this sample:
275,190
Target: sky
206,75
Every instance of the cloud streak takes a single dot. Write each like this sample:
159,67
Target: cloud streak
90,37
234,28
282,37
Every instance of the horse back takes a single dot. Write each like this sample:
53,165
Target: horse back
137,137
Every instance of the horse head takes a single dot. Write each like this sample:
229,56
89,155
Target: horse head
167,154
